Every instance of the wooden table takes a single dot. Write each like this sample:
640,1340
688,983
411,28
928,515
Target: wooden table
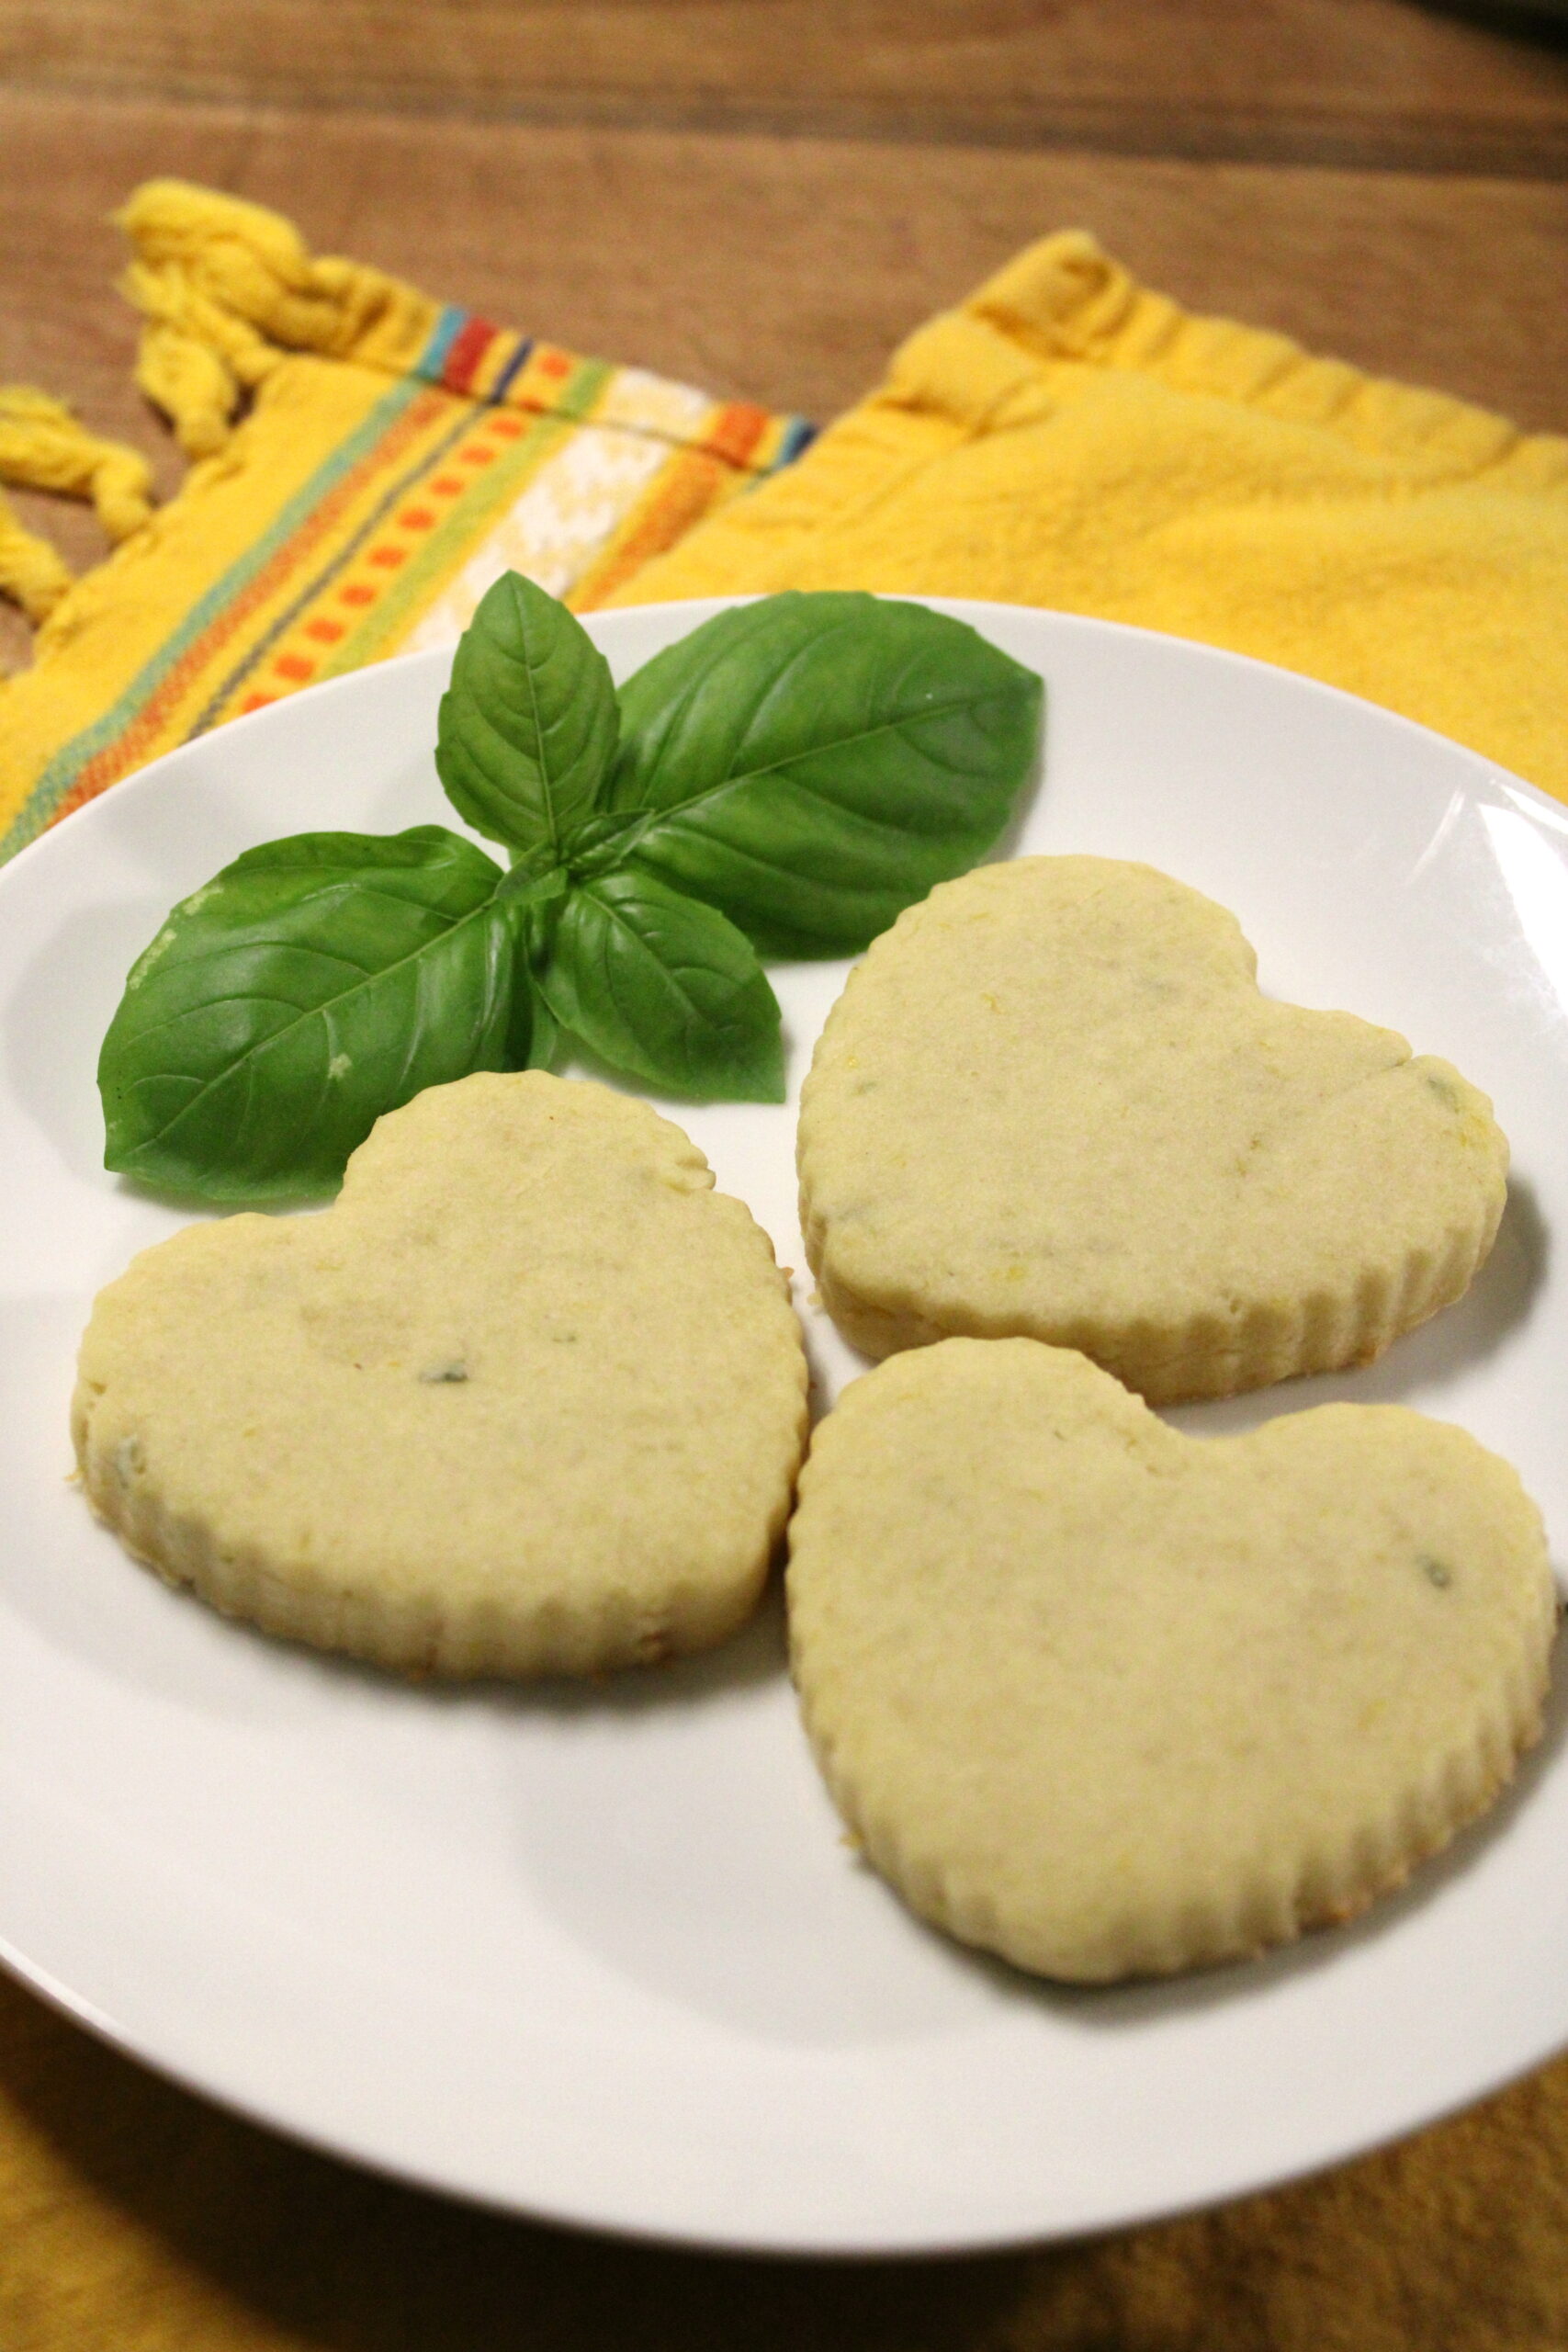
762,195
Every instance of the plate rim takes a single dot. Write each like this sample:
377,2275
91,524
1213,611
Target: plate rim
81,2010
704,607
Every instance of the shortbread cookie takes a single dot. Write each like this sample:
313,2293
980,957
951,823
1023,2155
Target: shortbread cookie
1051,1101
529,1398
1113,1702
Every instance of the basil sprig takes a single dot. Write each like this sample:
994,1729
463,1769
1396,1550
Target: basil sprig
783,781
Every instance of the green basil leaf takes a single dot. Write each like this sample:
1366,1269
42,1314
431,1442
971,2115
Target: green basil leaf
522,1032
664,988
544,1036
533,1036
313,984
527,729
812,764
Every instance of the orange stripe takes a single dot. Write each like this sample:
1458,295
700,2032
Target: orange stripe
740,428
690,485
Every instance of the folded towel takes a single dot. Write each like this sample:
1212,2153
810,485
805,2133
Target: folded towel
397,456
1065,437
1068,439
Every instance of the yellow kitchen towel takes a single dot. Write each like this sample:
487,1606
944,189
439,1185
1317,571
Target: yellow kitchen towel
1068,439
1064,438
395,455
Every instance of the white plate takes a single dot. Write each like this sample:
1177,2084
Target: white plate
601,1954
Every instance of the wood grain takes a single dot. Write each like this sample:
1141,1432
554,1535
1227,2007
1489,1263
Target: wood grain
1369,82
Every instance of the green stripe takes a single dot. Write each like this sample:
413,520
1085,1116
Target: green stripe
446,546
343,553
445,549
68,763
579,396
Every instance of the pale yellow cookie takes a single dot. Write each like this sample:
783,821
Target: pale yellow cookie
1051,1101
1111,1701
529,1398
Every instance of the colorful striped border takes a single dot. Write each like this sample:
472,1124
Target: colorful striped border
101,753
390,515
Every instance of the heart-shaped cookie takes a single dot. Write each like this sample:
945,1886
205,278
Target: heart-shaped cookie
1111,1701
1052,1101
529,1398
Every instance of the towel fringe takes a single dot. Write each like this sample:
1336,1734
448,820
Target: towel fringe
43,445
195,361
229,289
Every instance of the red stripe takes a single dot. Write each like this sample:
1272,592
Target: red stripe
470,342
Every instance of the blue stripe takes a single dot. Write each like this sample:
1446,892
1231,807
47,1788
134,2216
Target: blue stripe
445,334
511,372
801,435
